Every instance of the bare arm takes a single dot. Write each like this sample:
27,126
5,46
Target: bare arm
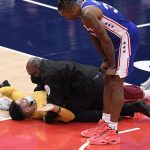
64,114
97,44
91,18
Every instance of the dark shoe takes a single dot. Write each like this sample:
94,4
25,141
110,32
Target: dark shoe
4,83
141,107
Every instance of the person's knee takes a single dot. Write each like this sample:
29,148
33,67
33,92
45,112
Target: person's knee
116,82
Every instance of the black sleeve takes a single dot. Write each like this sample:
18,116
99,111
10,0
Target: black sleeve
50,116
39,87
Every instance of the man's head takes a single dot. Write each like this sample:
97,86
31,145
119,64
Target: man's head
33,66
70,9
22,108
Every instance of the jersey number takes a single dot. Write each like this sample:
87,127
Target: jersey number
110,7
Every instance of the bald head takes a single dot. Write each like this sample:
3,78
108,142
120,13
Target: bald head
33,66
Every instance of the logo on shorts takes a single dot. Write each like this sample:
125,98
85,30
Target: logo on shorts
47,89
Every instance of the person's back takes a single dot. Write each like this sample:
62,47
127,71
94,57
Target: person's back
70,76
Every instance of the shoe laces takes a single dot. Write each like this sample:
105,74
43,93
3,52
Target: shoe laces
108,132
94,128
100,124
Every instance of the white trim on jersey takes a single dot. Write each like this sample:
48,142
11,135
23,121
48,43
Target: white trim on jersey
113,25
124,56
125,49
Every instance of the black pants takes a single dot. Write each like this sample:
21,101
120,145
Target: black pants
89,99
94,115
88,105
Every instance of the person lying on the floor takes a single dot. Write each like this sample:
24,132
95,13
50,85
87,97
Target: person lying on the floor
78,93
35,106
22,106
81,85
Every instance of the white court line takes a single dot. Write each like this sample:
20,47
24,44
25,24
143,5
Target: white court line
55,8
125,131
15,51
2,119
143,25
41,4
84,145
129,130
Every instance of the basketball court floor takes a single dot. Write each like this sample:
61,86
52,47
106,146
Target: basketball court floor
34,28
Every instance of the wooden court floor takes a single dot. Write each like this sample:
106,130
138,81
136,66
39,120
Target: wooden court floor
13,69
37,135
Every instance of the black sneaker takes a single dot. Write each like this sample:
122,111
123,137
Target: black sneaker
141,107
4,83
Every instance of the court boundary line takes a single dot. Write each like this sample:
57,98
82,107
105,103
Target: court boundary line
83,146
55,8
143,25
16,51
41,4
3,118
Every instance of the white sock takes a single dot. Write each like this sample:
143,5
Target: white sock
146,94
113,125
106,117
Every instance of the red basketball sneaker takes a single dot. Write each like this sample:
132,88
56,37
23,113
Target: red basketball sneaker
96,130
109,136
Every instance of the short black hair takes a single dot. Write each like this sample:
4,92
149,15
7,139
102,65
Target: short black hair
64,4
15,111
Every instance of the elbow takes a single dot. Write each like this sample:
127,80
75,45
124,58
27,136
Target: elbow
68,119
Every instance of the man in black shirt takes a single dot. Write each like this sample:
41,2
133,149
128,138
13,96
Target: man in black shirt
76,87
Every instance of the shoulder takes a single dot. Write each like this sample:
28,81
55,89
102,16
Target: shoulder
91,12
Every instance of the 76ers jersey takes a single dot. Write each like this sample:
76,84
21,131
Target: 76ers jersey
123,33
114,22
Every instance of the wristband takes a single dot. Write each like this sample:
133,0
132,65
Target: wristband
58,109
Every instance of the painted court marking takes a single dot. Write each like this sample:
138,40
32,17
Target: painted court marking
143,65
4,118
16,51
41,4
125,131
143,25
